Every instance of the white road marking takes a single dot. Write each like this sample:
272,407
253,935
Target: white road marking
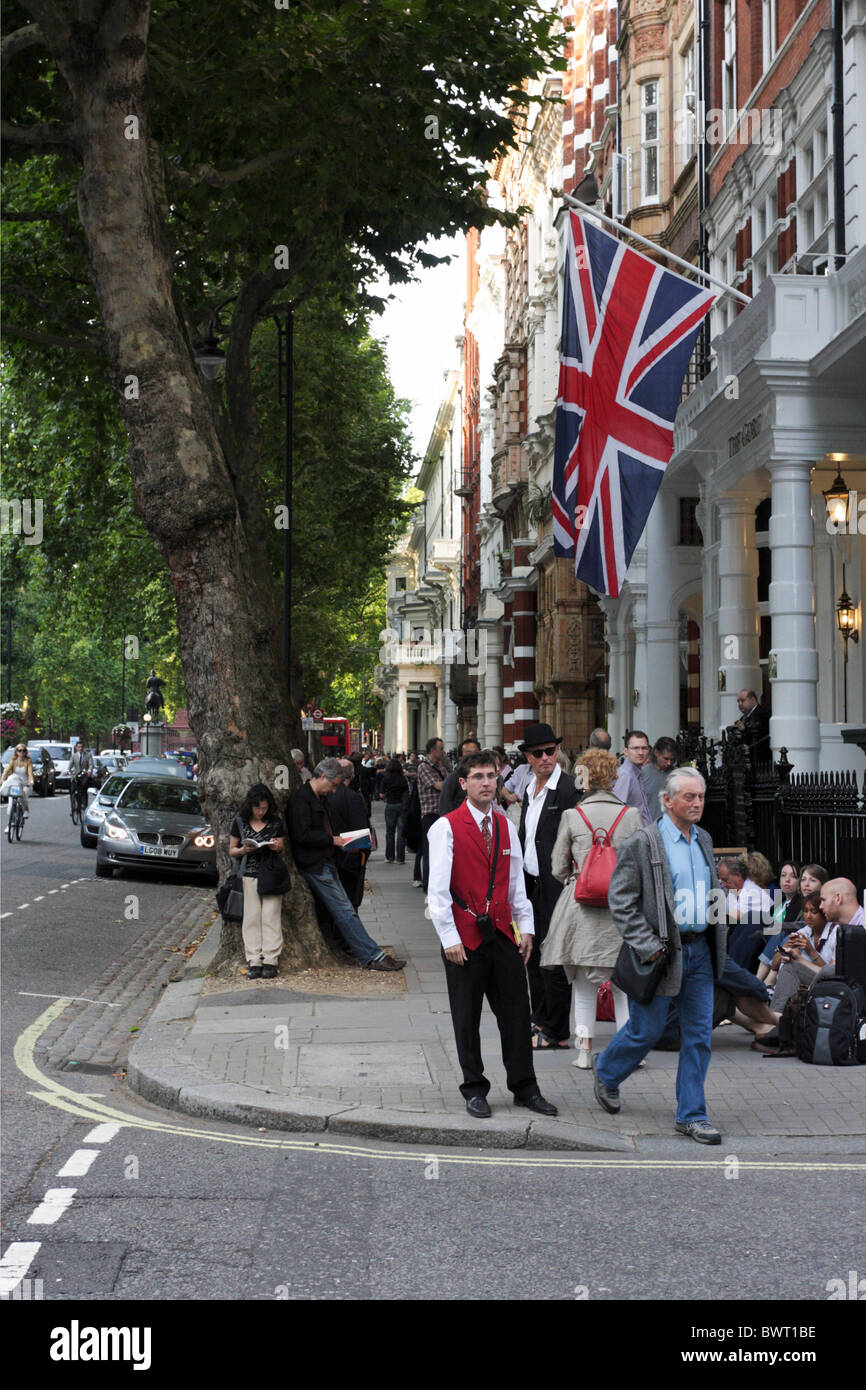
16,1262
4,914
39,899
73,998
21,906
78,1164
52,1206
64,885
53,890
100,1134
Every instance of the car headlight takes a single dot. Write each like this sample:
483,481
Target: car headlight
205,841
116,832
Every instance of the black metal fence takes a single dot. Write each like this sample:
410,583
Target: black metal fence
810,817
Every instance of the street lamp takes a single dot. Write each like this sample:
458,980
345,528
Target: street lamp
846,621
836,497
146,718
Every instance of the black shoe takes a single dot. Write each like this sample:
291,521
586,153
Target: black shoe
269,972
255,972
478,1108
607,1097
538,1104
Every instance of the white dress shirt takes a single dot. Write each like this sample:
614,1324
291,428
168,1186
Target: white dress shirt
534,808
752,898
440,840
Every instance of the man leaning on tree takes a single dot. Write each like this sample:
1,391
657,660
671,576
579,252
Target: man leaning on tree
313,844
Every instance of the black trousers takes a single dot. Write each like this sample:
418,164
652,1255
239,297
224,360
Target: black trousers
549,990
494,970
422,858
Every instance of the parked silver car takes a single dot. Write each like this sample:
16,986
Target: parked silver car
100,800
156,823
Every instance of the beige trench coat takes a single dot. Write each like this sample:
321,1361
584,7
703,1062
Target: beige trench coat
581,935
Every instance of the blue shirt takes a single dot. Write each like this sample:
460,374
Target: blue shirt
690,873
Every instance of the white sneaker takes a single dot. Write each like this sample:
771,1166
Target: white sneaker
416,883
583,1059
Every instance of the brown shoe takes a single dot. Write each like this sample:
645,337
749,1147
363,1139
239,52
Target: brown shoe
386,963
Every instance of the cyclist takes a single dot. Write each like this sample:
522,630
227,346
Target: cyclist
20,769
81,769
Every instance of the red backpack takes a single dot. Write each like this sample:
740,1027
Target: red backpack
593,882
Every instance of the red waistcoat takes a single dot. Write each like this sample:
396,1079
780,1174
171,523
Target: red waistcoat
470,874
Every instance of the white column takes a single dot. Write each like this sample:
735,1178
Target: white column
637,712
794,724
490,731
739,620
661,714
659,710
401,737
448,709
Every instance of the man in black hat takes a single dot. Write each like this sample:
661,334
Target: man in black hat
548,793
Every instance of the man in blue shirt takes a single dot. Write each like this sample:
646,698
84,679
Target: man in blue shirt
696,924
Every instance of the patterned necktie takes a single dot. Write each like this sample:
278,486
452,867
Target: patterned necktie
488,838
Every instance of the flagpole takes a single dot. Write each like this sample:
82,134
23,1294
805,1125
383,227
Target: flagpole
653,245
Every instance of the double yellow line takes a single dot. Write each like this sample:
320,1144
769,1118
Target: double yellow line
88,1107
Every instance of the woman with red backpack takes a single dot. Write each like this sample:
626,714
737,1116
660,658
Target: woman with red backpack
582,937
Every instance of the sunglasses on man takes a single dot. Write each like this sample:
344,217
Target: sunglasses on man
541,752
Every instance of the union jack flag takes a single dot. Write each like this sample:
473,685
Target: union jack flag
628,331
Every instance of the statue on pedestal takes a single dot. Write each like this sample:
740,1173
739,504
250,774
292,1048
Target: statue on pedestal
155,701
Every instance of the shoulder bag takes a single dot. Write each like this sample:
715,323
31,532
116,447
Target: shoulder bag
637,978
593,882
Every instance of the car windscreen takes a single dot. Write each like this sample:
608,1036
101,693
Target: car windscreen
112,786
58,750
141,795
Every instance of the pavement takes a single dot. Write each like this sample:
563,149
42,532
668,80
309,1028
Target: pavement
385,1067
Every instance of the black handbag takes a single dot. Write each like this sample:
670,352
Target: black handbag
637,978
273,878
230,897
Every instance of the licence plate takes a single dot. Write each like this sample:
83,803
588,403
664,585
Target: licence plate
159,851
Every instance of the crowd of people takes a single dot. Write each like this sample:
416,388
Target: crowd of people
552,889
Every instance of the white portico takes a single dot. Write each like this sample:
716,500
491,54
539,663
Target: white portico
758,442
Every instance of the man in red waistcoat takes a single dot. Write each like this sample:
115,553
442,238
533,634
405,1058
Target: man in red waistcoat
475,891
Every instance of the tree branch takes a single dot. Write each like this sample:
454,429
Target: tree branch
27,335
46,139
217,178
25,37
51,20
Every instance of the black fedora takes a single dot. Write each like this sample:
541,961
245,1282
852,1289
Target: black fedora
536,734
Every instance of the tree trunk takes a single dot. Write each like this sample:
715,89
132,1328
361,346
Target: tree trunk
184,485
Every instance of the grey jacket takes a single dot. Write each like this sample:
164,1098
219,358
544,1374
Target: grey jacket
632,903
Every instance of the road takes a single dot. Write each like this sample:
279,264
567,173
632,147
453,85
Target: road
158,1206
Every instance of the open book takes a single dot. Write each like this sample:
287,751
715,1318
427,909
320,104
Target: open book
357,839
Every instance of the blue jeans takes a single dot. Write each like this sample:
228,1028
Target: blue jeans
646,1024
329,890
394,820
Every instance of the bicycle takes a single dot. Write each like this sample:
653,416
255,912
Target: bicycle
77,798
15,824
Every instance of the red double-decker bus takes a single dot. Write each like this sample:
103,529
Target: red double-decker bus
336,738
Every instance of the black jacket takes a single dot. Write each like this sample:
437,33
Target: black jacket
452,794
563,798
347,810
756,732
310,830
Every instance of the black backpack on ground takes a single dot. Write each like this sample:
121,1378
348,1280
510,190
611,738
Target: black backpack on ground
851,954
412,826
831,1027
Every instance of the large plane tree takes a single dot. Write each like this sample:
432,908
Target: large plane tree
186,156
